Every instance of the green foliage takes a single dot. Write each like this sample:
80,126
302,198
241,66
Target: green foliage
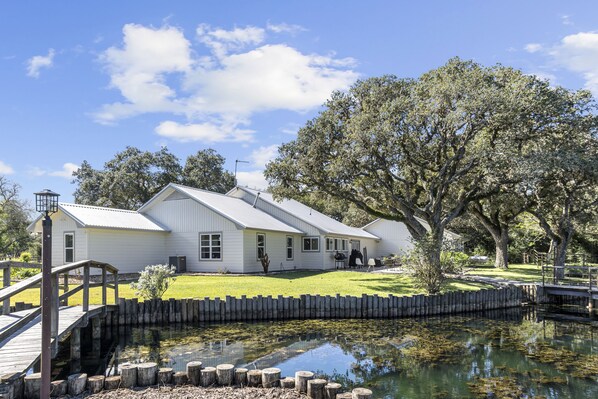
153,281
14,219
21,273
25,257
453,262
133,177
425,268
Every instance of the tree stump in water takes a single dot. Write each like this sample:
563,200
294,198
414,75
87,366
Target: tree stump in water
270,377
33,384
58,388
208,376
344,395
287,383
95,383
362,393
180,378
331,390
128,375
194,372
77,383
241,377
112,382
315,388
225,374
164,375
254,378
301,378
146,374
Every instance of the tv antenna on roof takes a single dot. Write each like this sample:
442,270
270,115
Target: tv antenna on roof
236,163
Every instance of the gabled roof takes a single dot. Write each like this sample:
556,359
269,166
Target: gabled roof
106,218
234,209
325,224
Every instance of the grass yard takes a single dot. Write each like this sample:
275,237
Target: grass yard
525,273
288,284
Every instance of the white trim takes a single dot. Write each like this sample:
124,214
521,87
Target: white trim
64,247
310,238
291,247
257,245
210,246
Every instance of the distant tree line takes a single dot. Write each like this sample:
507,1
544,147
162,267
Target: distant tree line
133,177
461,141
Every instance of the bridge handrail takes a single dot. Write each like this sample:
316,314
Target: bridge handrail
590,269
11,290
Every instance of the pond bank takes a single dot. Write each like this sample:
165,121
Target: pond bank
168,392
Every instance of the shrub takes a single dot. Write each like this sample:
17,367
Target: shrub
265,263
21,273
25,257
154,281
426,272
453,262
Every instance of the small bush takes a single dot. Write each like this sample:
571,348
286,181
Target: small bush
453,262
25,257
426,273
21,273
154,281
265,263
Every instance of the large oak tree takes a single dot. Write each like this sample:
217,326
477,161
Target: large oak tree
408,149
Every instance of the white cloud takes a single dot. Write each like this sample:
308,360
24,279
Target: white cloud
566,20
66,172
263,155
215,95
6,169
579,53
34,64
204,132
285,28
253,179
533,47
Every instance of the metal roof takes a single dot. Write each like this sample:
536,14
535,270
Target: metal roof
109,218
234,209
324,223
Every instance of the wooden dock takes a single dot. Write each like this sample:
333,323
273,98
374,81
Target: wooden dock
571,281
21,350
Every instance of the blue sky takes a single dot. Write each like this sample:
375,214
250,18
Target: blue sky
82,80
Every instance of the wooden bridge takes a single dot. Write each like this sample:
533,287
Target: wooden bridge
576,281
20,332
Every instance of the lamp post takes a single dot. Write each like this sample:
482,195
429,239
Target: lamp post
46,202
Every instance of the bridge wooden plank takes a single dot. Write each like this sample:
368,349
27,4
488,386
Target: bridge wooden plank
20,351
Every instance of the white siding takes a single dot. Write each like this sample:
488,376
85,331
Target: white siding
129,251
275,248
394,238
187,219
61,224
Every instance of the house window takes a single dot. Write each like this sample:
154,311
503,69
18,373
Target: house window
210,246
345,245
337,244
311,244
69,247
329,244
289,248
261,245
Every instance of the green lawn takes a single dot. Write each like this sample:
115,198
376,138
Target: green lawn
525,273
288,284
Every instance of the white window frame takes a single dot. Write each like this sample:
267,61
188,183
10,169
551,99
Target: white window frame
257,245
211,247
291,247
329,244
72,234
311,240
345,245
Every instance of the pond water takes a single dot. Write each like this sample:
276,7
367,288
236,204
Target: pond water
515,353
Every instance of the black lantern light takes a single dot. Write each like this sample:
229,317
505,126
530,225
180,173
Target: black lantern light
46,201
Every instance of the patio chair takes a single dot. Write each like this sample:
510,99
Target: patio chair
358,262
371,264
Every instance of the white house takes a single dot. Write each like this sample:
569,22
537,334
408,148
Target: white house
215,232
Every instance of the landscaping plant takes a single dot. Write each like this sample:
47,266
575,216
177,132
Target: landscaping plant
154,281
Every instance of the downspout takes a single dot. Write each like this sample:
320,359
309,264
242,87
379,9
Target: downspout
256,198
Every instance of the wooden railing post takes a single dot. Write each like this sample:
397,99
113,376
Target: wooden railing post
104,282
86,287
5,284
55,306
115,288
65,287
